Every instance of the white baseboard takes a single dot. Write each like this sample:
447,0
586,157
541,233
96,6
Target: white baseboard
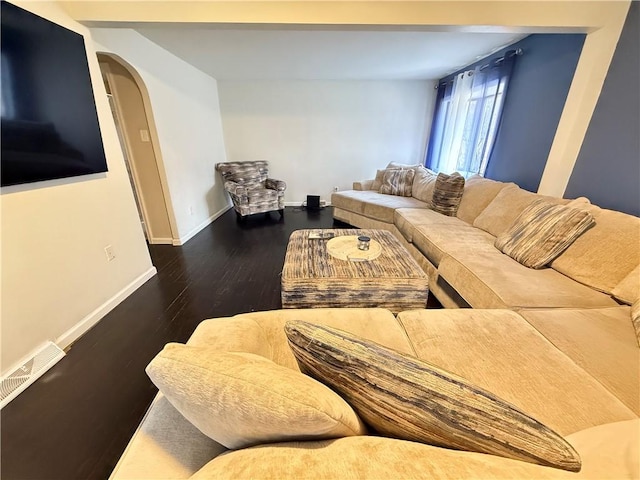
185,238
161,241
75,332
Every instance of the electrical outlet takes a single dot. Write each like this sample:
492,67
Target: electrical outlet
108,250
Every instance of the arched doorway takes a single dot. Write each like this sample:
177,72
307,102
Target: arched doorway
133,117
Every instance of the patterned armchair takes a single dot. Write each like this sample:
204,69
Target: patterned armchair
251,189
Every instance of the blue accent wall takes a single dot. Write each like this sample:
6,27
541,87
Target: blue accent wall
537,92
607,170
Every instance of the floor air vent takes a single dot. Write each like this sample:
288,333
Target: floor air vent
23,376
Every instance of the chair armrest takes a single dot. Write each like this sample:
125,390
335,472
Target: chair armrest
235,188
273,184
363,185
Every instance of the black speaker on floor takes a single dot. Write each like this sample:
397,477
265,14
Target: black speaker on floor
313,202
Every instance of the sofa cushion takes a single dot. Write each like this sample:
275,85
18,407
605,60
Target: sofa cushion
424,183
372,458
501,352
605,254
486,278
373,204
628,290
447,193
601,341
397,182
407,219
503,210
404,397
263,332
478,193
242,399
438,240
542,232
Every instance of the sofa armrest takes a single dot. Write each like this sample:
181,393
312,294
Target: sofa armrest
273,184
363,185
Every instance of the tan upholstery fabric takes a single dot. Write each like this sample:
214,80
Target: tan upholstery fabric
601,341
424,183
505,208
377,181
478,193
635,319
363,185
408,219
369,458
502,353
447,193
397,182
604,255
402,396
242,399
165,446
436,241
373,204
628,290
609,451
488,279
376,324
542,232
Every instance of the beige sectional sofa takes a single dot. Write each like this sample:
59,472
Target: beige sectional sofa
558,343
464,267
584,386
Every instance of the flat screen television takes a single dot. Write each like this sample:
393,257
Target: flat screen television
49,123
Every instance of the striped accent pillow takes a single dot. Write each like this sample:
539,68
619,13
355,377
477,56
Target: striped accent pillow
635,318
397,181
542,232
447,194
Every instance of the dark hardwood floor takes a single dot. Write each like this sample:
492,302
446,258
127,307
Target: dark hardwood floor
76,420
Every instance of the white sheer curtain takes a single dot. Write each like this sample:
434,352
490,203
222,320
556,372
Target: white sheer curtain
467,118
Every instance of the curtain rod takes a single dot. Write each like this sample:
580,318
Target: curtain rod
516,52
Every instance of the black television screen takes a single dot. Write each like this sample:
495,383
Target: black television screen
49,123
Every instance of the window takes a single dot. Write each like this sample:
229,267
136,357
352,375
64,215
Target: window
467,117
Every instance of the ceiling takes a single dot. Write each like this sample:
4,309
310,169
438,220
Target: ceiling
259,53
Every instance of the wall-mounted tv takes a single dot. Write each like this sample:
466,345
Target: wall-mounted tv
49,123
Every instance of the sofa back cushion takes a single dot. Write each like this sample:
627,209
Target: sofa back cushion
478,193
604,255
424,182
505,208
628,290
250,174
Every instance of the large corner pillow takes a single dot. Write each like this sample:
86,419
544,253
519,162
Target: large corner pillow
397,181
407,398
447,194
241,399
542,232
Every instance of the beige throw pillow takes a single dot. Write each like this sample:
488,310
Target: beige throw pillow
635,318
448,193
405,397
397,182
241,399
542,232
424,183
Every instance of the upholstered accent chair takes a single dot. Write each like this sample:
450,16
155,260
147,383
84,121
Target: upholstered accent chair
251,189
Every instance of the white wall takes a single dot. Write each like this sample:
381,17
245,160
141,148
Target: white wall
56,281
321,134
187,118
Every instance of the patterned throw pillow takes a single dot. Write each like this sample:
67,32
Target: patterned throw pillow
447,193
397,181
542,232
408,398
635,318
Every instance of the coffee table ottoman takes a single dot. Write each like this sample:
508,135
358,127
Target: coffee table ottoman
312,278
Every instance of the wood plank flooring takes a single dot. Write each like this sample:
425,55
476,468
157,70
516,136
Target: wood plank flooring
76,420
